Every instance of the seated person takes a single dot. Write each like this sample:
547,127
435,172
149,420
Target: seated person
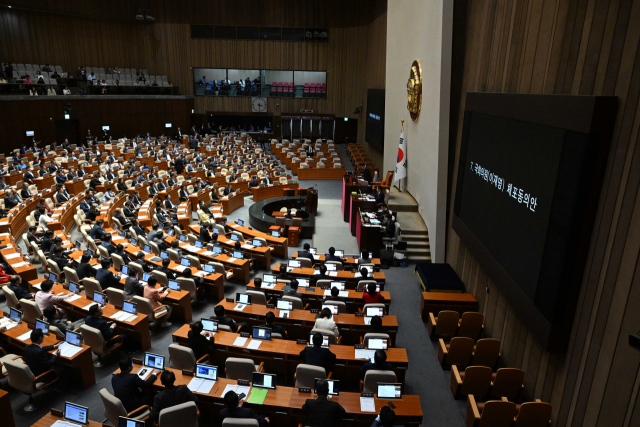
380,363
257,285
322,412
233,409
106,328
38,358
53,317
106,242
293,292
155,296
322,276
85,269
335,296
306,254
317,355
105,276
372,296
331,256
270,319
165,269
142,263
46,298
364,273
122,254
132,286
386,418
199,341
226,320
325,321
15,284
97,232
171,395
376,326
129,387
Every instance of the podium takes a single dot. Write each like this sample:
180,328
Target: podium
292,236
311,201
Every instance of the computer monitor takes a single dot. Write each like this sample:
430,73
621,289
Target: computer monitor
209,268
174,285
30,133
78,244
275,233
368,267
331,267
334,387
261,380
238,255
332,307
339,253
43,326
130,307
90,253
217,250
145,277
53,277
282,304
206,372
294,263
15,315
234,237
374,311
76,413
198,244
147,249
129,422
216,231
269,278
257,243
377,344
303,283
261,333
240,222
185,261
339,285
74,287
164,255
73,338
122,234
313,251
389,391
100,298
124,270
209,325
183,238
105,128
325,340
154,361
243,298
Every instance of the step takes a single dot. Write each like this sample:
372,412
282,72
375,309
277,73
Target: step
418,259
413,232
418,244
414,237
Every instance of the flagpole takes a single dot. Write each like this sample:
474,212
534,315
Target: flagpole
401,130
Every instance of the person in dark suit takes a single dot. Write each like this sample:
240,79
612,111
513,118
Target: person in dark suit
25,193
205,233
135,226
120,251
28,176
380,363
389,227
386,418
106,277
95,320
233,409
61,197
106,242
267,181
15,284
379,196
317,355
38,358
293,291
97,232
254,182
366,173
85,269
227,190
59,259
171,395
331,256
283,275
201,343
376,326
10,200
322,276
335,296
226,320
179,163
165,269
306,254
322,412
128,386
270,319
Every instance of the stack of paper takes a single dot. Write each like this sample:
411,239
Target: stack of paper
230,242
333,273
232,259
254,344
367,404
362,353
123,316
247,246
316,257
61,423
180,268
73,298
367,320
11,256
207,253
240,342
268,285
18,265
237,388
201,273
200,385
5,322
69,350
24,336
284,313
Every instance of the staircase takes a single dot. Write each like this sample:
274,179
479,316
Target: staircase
414,230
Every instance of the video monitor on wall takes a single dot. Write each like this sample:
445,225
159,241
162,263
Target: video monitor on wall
374,133
529,174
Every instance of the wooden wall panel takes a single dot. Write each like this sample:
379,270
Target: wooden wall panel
354,56
579,47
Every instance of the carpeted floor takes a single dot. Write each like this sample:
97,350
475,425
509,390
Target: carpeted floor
424,377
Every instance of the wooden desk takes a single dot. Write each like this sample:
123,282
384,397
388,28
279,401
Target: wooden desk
300,322
347,189
261,255
343,276
348,261
369,236
283,356
75,187
195,198
49,419
280,245
434,302
283,405
27,270
311,174
63,215
231,203
267,192
5,409
44,182
359,204
81,364
137,329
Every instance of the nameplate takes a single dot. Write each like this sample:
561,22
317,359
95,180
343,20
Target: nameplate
359,290
230,300
57,413
243,382
325,288
136,361
314,310
271,306
244,334
366,394
359,314
358,347
304,390
303,342
187,373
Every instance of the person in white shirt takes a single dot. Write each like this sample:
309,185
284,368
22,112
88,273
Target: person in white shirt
51,91
44,219
109,194
33,92
91,78
66,91
325,321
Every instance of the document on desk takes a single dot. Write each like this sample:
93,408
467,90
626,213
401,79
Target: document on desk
5,322
367,320
90,305
283,313
73,298
240,342
254,344
316,257
180,268
237,388
200,385
247,246
117,316
239,307
207,253
367,404
69,350
61,423
11,256
201,273
25,336
333,273
362,353
18,265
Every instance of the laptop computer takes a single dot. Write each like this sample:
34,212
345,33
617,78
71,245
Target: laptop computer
257,243
268,278
303,283
275,233
339,285
183,238
217,250
164,255
100,298
377,344
282,304
209,325
151,361
234,237
73,338
240,222
243,298
389,391
74,287
53,277
124,270
261,333
15,315
185,261
331,267
339,253
238,255
206,372
334,387
325,340
332,307
261,380
43,326
76,413
129,422
174,285
374,311
209,268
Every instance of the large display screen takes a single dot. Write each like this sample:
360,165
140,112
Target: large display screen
527,186
374,134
